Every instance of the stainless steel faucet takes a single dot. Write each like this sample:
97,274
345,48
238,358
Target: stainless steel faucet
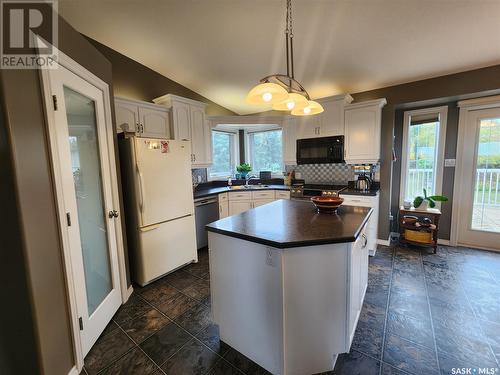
250,178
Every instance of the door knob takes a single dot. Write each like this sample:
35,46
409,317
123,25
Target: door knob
112,214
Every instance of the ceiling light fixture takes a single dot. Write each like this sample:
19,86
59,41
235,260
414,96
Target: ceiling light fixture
284,92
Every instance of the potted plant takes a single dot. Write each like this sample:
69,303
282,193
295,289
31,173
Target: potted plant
243,169
422,203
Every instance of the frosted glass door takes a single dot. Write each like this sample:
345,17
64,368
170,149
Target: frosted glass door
83,145
85,163
480,200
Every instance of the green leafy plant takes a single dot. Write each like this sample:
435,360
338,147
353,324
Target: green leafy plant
432,199
243,168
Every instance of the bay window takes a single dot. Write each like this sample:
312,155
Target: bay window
223,154
265,151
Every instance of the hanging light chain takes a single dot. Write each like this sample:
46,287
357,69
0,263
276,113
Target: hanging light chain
289,17
290,35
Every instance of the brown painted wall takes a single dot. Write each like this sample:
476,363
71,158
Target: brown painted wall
16,325
435,91
38,250
136,81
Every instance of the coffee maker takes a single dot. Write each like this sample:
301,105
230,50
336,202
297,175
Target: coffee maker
363,176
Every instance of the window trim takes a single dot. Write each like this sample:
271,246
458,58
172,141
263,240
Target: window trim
249,149
234,155
442,112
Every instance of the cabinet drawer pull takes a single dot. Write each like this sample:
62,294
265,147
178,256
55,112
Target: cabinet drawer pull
366,241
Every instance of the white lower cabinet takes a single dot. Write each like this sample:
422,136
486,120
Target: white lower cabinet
223,206
280,287
372,225
223,210
261,202
282,194
238,202
237,207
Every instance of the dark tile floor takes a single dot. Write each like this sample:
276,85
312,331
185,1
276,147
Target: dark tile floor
423,314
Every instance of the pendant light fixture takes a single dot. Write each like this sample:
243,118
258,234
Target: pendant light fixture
283,91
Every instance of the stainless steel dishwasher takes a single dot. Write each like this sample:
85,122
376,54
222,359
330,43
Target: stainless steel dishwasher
206,210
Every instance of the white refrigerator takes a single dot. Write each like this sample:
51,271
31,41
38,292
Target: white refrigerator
159,208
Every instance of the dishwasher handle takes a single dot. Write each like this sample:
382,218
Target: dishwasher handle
204,201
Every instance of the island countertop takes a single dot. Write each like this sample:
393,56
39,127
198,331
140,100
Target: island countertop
285,224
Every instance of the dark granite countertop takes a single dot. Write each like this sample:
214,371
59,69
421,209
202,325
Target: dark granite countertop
284,224
206,192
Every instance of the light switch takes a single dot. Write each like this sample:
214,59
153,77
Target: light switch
449,162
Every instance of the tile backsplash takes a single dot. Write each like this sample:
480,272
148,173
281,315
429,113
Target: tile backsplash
323,173
311,173
202,172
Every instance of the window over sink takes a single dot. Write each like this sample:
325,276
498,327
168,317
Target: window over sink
265,151
224,154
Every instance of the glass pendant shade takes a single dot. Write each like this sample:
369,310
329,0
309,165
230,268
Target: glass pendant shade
312,108
267,93
294,101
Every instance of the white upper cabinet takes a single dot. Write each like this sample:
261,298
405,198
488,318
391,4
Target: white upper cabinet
332,119
145,119
189,122
362,131
199,134
328,123
308,126
155,122
181,121
127,116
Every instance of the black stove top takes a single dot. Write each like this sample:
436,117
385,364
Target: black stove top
324,187
309,190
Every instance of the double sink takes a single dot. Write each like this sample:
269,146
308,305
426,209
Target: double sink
248,187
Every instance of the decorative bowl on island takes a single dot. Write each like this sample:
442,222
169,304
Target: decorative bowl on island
327,204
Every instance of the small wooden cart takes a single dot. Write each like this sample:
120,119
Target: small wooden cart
420,236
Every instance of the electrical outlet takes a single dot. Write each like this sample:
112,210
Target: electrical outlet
270,258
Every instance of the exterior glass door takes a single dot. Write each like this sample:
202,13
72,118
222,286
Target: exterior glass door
479,215
486,208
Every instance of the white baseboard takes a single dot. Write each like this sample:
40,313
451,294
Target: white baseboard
443,242
130,290
73,371
383,242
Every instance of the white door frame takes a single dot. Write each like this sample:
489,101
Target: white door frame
465,106
442,111
125,292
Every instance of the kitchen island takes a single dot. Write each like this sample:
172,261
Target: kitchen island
288,283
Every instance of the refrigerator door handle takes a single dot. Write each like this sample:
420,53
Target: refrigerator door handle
141,188
147,229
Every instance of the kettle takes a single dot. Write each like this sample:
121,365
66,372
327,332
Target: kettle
363,183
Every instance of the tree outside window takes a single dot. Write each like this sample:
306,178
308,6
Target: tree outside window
266,151
222,154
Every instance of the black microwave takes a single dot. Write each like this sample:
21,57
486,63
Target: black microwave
322,150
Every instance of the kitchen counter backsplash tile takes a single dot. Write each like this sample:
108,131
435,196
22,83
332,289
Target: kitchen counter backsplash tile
311,173
202,172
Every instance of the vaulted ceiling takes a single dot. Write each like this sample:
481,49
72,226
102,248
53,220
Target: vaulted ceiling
221,48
